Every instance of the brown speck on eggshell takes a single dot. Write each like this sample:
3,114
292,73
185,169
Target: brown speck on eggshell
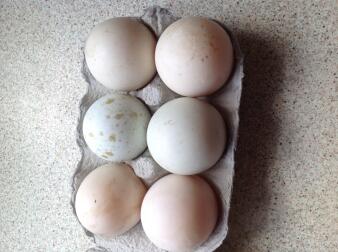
112,138
133,114
109,101
119,116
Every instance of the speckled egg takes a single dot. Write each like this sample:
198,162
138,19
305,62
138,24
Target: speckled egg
114,127
179,213
120,53
186,136
108,201
194,56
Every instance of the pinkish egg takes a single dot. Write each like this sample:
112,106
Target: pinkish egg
179,212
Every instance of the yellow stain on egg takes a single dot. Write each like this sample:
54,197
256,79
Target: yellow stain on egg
109,101
112,138
133,114
119,116
109,153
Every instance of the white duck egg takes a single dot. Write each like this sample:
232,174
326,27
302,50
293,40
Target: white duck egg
114,127
186,136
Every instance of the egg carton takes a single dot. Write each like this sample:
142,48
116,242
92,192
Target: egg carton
155,94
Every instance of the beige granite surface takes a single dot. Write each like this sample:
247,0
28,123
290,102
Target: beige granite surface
285,195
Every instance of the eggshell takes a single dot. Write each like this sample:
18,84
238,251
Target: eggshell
194,56
114,127
179,213
186,136
120,53
109,199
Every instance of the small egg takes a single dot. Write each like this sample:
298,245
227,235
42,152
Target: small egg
194,56
109,199
179,213
114,127
120,53
186,136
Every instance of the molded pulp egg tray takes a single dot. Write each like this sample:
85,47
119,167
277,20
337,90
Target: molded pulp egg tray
155,94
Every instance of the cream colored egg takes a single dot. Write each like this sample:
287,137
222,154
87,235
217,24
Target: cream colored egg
114,127
179,212
109,199
120,53
194,56
186,136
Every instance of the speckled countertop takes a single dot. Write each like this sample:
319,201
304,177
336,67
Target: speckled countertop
285,194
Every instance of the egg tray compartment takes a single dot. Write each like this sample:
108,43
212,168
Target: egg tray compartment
155,94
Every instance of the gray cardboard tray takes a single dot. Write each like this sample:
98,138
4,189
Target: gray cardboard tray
226,100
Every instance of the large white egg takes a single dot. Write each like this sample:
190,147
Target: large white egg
120,53
186,136
114,127
109,199
179,213
194,56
